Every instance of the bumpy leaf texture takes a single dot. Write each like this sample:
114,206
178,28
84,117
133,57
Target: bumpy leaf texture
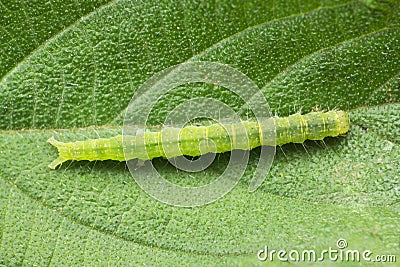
70,70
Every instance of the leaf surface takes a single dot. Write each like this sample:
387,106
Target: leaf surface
75,82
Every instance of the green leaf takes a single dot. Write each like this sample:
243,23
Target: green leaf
26,26
71,68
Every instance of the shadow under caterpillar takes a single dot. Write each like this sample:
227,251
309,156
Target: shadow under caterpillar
198,140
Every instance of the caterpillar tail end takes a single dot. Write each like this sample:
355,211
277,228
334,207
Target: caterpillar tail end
58,160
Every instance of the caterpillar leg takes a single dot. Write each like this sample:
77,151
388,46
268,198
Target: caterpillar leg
60,159
56,162
140,163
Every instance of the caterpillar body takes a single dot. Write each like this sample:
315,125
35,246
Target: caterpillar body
199,140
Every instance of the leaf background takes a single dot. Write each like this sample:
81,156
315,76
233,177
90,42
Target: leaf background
70,70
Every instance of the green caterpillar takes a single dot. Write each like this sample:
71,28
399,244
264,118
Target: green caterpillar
199,140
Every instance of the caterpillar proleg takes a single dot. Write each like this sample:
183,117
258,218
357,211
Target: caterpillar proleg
199,140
